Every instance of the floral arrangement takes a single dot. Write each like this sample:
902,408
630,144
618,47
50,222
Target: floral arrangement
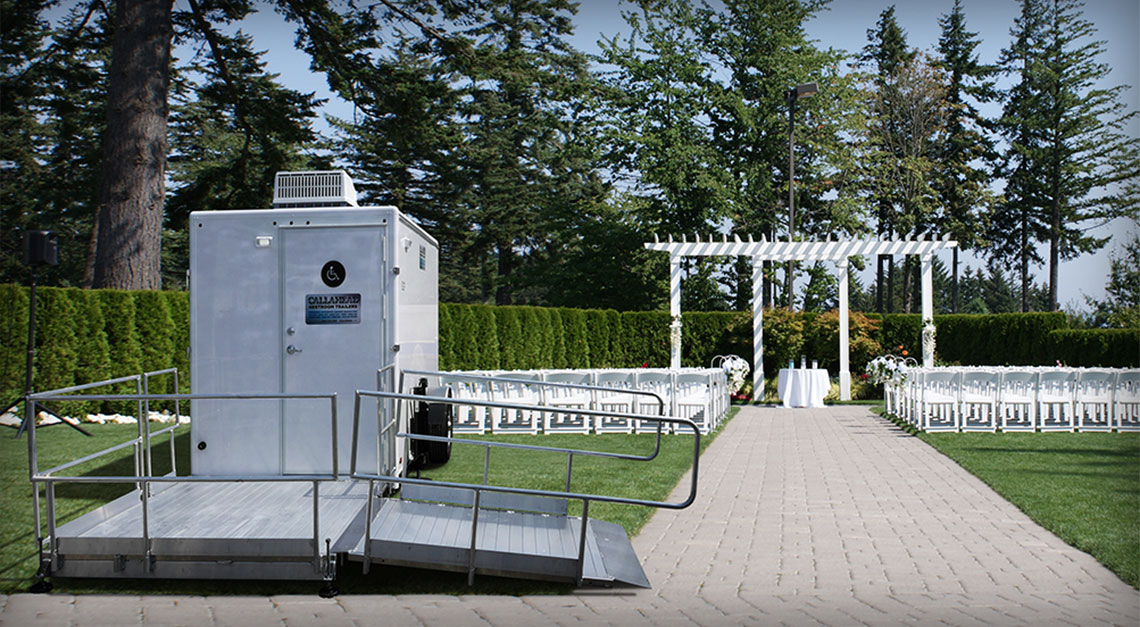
737,370
888,369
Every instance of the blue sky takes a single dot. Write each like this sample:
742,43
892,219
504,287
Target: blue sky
842,26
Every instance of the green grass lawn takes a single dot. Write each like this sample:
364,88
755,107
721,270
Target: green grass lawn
1084,487
58,444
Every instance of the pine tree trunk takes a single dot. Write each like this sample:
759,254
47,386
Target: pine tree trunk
128,219
1024,261
1054,250
503,293
879,284
954,281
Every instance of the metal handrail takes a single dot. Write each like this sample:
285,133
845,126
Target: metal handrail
540,382
488,378
479,489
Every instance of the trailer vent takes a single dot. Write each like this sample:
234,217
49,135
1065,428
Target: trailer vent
313,189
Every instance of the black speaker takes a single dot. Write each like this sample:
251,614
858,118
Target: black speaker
41,248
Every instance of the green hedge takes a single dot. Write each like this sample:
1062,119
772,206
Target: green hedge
1114,348
92,335
979,339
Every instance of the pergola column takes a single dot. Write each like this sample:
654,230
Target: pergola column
927,305
675,311
844,332
757,327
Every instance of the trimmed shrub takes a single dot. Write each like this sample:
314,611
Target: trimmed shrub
598,334
704,335
446,346
126,354
545,336
155,331
93,358
486,338
56,345
509,329
13,341
530,346
1013,339
558,339
1106,348
617,338
577,346
1009,339
646,339
466,336
179,305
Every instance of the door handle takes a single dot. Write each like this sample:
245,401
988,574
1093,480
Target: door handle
292,350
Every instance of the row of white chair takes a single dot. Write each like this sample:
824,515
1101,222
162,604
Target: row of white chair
1016,398
701,395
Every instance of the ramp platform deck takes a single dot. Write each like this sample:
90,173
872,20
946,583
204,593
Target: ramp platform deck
251,530
246,530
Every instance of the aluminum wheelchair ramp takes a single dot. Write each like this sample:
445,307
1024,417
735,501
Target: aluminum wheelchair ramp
208,530
434,532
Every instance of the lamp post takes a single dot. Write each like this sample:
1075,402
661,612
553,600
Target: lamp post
799,91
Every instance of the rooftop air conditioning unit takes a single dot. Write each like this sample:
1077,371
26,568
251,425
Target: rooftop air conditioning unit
331,188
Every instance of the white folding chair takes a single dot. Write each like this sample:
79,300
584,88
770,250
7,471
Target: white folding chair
561,399
617,401
1092,402
938,404
468,418
692,397
1017,401
516,420
1055,393
1126,405
977,400
658,382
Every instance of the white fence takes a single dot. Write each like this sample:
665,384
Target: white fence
1015,398
699,394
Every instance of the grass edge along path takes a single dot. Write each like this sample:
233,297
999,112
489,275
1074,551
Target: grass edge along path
1082,487
60,444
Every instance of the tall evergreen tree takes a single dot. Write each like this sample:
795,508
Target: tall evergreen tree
232,132
1068,150
52,118
1121,305
760,50
963,178
906,130
887,51
663,147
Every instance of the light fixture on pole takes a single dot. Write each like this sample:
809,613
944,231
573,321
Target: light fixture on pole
799,91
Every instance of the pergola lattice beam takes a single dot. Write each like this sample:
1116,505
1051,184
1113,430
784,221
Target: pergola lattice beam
834,251
801,251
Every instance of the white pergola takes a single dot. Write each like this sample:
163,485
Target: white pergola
834,251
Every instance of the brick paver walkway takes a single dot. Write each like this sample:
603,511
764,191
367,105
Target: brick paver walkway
804,517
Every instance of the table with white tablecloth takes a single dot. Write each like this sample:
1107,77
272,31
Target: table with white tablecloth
802,387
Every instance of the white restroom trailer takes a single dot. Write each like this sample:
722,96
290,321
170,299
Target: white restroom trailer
314,296
289,306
